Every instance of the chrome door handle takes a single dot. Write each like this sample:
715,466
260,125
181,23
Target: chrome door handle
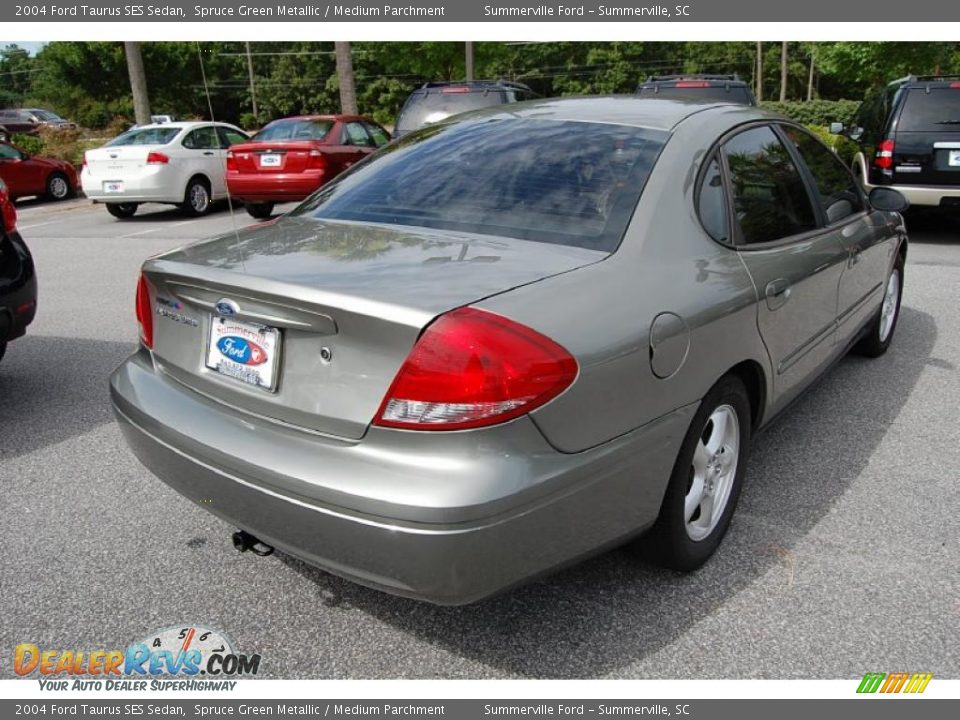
777,293
209,152
854,257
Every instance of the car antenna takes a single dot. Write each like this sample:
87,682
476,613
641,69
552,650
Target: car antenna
233,217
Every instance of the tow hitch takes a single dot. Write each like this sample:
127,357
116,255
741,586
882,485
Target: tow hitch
244,541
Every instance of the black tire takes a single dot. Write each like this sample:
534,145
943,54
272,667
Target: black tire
875,343
261,211
3,348
122,210
196,198
58,187
669,542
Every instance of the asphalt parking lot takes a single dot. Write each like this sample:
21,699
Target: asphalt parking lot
842,557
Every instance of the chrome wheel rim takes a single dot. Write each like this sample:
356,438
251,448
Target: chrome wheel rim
59,188
712,473
199,199
888,311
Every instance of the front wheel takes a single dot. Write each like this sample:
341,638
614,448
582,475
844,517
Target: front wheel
122,210
706,480
58,187
261,211
196,199
880,334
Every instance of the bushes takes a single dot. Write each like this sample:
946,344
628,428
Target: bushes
66,145
816,112
30,144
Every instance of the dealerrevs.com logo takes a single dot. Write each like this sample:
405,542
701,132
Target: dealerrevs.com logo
185,657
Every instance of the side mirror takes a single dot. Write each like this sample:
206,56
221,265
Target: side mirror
886,198
836,128
855,133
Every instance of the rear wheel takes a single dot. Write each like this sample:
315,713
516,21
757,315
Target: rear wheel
706,480
261,211
196,199
58,187
122,210
880,334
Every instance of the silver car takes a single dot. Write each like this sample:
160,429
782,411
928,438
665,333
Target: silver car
511,340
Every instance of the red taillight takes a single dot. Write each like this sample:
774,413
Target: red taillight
883,157
316,160
472,368
144,315
231,161
692,84
457,89
955,86
84,163
156,158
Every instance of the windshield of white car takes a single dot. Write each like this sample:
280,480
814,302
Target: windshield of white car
145,136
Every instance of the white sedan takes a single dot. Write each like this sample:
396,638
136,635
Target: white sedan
181,163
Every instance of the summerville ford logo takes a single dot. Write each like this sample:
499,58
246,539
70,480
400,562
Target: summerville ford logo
183,657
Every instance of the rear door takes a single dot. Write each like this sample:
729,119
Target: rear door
795,264
357,143
201,152
927,136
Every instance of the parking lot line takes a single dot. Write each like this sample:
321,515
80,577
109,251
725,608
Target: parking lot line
36,225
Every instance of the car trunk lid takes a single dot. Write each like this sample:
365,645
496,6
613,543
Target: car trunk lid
275,157
347,301
115,162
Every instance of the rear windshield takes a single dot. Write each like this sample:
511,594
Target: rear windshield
295,130
146,136
707,94
423,108
569,183
937,110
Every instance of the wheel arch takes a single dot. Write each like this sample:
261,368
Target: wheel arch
754,379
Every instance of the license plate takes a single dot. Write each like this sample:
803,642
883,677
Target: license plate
954,159
113,187
269,161
246,352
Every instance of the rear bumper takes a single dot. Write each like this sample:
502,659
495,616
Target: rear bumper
275,187
154,184
447,528
924,195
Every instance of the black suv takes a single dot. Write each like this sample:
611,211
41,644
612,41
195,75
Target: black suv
909,137
709,88
436,101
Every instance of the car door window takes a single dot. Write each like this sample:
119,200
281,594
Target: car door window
204,138
379,135
354,134
9,153
712,203
229,136
770,199
839,196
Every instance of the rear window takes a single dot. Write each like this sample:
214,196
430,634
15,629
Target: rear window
569,183
146,136
705,94
295,130
937,110
423,108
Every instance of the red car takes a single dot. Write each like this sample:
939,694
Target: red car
26,175
290,158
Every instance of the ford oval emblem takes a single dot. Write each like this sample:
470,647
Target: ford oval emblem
242,351
227,308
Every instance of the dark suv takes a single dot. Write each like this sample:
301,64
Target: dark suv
436,101
709,88
909,137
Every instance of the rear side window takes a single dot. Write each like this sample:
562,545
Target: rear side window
769,197
839,196
430,106
354,134
380,137
934,111
145,136
204,138
294,130
712,203
568,183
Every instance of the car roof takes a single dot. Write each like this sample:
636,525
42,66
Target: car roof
912,82
327,116
629,110
181,125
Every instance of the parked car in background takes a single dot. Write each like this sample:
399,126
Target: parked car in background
909,137
25,174
511,340
18,282
30,120
291,158
180,163
716,88
436,101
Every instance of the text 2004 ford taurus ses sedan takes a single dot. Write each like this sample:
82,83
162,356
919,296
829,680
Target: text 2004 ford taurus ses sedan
510,340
